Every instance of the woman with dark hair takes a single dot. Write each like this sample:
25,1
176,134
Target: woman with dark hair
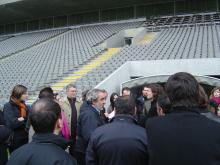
15,115
113,98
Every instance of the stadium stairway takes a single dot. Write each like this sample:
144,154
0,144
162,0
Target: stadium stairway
148,38
59,86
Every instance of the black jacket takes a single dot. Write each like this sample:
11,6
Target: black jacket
141,117
140,104
183,137
121,142
85,105
45,149
4,135
4,131
11,115
89,119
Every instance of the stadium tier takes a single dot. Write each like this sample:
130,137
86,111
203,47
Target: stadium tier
48,61
183,20
42,59
17,43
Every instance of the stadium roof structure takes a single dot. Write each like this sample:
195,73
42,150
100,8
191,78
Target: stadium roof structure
19,10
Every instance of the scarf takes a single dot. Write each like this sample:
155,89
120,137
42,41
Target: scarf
22,107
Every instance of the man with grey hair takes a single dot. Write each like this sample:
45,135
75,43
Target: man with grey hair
89,120
71,108
121,142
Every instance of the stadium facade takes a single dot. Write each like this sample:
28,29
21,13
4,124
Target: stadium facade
22,15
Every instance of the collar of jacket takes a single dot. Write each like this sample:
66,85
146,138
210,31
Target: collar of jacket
66,100
183,109
97,111
124,118
51,138
13,103
73,99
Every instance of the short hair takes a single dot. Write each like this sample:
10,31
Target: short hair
44,115
46,92
156,89
125,89
93,95
144,86
203,98
183,90
18,91
84,93
125,105
70,86
163,102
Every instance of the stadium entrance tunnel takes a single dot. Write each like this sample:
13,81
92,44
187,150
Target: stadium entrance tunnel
207,82
125,37
158,71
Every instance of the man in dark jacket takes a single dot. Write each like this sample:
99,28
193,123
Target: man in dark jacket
47,146
146,106
89,120
120,142
183,136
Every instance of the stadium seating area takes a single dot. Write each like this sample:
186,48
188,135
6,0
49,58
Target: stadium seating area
173,43
183,20
47,61
17,43
40,59
2,38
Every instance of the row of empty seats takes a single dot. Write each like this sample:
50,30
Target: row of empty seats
2,38
183,19
49,62
173,43
20,42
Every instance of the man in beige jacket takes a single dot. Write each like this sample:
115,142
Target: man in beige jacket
71,108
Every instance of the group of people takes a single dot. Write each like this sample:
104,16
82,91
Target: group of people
175,124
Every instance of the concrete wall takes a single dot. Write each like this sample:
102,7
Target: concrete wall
112,82
139,36
206,66
116,41
200,67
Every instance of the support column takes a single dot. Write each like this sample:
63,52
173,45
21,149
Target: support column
53,21
135,11
99,15
67,20
174,7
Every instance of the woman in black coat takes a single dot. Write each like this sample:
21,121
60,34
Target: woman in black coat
15,115
4,135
